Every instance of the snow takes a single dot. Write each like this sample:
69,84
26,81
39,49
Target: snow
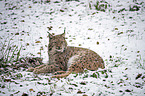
121,37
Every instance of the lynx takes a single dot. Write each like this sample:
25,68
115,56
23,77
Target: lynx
67,59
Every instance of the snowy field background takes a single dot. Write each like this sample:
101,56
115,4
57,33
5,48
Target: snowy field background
117,34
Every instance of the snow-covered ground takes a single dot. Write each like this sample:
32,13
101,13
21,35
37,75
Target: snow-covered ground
117,35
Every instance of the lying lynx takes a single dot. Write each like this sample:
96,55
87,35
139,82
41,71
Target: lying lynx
66,58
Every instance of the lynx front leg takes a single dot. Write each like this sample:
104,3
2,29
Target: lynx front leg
75,64
46,69
31,69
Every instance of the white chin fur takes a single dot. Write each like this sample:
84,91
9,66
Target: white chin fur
59,50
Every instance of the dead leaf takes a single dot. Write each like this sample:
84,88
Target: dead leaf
37,42
38,53
31,90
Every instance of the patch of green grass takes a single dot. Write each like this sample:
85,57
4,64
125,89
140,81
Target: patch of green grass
95,75
116,61
140,62
101,5
134,8
9,52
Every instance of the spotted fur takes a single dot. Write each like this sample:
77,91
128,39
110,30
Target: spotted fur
67,58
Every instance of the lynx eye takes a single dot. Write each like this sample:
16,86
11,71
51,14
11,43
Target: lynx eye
54,42
50,49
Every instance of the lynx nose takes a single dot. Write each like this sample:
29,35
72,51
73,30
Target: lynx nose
58,48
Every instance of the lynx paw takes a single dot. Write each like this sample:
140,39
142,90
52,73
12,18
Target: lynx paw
36,71
42,70
59,72
62,75
31,69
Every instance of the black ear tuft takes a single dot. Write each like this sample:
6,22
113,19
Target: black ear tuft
64,29
50,36
63,34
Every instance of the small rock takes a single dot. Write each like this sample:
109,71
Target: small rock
120,91
40,38
90,29
24,94
61,10
30,6
138,76
27,44
17,34
83,83
116,28
22,20
3,86
80,92
31,90
127,90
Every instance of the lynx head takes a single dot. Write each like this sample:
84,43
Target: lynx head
57,43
